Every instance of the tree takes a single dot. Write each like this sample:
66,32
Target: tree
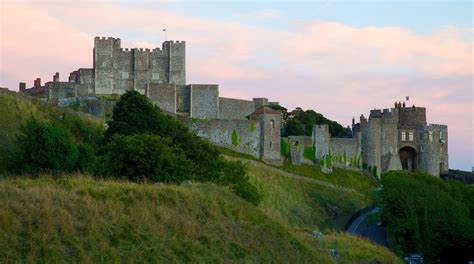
44,147
134,114
301,122
427,215
143,157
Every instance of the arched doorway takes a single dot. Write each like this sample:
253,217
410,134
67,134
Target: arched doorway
408,158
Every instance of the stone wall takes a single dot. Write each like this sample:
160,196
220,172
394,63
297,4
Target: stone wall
204,101
183,98
86,78
298,146
239,135
433,150
235,108
321,140
412,117
164,96
97,107
58,90
347,148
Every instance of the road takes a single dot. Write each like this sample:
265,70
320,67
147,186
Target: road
361,227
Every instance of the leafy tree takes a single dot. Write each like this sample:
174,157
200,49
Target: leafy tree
301,122
144,157
428,215
135,114
44,147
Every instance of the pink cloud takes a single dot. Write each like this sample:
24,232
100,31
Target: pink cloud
339,70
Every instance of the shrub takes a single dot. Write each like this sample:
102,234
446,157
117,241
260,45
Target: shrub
235,138
144,157
233,175
44,147
428,215
284,148
86,158
309,153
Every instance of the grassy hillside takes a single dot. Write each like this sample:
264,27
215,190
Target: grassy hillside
16,109
80,219
303,202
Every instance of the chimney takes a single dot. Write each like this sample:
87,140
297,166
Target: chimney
22,86
37,83
56,77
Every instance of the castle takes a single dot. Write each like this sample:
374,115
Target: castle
389,140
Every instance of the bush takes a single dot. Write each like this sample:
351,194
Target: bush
144,157
233,175
44,147
428,215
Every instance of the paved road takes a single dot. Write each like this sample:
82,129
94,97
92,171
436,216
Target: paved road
361,227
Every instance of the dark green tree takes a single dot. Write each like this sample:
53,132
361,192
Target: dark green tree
144,157
428,215
44,147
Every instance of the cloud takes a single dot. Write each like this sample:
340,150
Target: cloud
337,69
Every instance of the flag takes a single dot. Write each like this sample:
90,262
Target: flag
408,98
164,29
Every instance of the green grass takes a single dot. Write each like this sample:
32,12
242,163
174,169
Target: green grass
345,178
303,204
85,220
235,154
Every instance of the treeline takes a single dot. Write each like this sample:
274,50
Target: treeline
140,144
300,122
428,215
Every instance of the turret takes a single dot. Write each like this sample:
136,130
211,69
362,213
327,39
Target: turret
176,51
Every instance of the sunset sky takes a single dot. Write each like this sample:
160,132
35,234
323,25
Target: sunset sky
341,59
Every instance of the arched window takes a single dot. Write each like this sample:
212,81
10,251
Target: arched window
272,123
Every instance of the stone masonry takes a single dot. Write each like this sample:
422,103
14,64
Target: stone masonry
160,74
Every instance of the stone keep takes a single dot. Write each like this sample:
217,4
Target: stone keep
117,70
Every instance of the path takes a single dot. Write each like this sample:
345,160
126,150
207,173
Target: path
361,227
295,176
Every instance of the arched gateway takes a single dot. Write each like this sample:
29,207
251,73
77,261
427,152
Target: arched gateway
408,158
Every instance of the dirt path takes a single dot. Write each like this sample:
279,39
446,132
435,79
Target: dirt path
295,176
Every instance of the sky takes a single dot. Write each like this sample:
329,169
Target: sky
340,58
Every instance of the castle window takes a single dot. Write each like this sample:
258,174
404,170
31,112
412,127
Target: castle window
155,76
404,136
430,136
153,62
270,144
272,123
125,75
411,136
104,64
440,135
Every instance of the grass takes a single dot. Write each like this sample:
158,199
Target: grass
235,154
345,178
80,219
304,204
85,220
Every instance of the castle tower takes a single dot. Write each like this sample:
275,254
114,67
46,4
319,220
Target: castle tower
321,140
176,51
104,51
270,124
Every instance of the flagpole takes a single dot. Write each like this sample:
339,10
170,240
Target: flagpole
166,37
